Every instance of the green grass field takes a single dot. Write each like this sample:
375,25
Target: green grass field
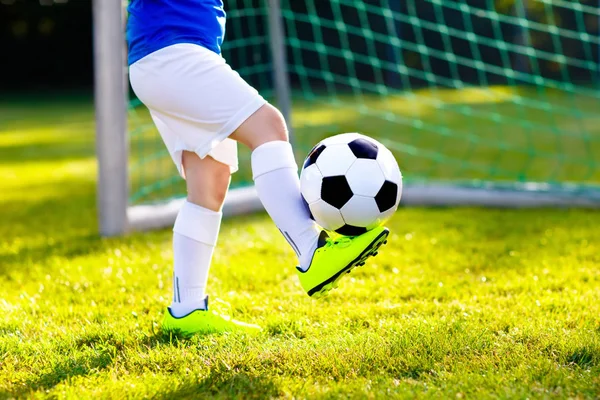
462,303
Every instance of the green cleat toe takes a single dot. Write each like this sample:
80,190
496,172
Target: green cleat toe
333,258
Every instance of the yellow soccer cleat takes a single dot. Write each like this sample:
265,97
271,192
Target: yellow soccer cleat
335,257
204,322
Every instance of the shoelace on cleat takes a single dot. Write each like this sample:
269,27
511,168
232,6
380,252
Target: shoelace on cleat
342,241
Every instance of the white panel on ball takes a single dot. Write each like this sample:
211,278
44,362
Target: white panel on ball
327,215
361,211
388,165
335,160
343,138
310,182
399,192
365,177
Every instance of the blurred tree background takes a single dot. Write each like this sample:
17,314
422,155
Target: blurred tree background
47,44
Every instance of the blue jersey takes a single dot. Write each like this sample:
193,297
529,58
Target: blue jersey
155,24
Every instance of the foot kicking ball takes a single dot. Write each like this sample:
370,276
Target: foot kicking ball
351,183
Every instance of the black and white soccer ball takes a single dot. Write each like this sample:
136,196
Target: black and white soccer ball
351,183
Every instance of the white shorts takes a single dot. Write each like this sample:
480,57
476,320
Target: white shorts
196,101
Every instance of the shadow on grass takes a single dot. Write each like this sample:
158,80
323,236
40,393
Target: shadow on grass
223,383
66,369
69,248
64,225
584,357
88,354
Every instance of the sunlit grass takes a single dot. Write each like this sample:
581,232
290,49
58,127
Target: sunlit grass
462,303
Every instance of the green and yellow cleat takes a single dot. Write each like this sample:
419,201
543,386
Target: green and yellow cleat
204,322
334,257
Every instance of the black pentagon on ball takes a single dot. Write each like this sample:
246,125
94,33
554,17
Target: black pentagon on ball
387,195
313,155
362,148
350,230
336,191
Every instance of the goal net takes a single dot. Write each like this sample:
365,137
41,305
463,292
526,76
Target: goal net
483,102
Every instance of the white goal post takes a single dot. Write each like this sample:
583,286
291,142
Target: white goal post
110,93
117,217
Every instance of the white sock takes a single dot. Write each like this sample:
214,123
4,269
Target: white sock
194,238
276,179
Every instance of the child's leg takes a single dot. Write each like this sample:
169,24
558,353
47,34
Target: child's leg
276,179
197,101
196,230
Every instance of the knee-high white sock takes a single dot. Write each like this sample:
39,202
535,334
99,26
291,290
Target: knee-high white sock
276,179
194,238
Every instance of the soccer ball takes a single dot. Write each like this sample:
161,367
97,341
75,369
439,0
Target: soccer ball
351,183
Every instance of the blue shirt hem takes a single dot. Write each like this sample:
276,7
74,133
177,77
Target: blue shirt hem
140,53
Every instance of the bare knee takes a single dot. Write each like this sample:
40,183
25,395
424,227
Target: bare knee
265,125
217,187
209,192
277,130
207,181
